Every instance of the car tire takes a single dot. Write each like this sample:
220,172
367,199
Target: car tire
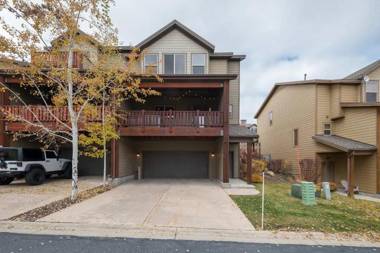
67,174
6,180
35,176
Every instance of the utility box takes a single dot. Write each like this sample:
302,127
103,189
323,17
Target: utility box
296,191
308,193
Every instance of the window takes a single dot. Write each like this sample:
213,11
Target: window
327,129
151,63
371,91
174,64
33,154
198,62
8,154
295,137
270,118
51,155
230,110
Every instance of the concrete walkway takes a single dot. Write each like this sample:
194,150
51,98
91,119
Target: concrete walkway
199,204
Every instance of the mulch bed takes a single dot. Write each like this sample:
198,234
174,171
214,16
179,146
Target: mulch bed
40,212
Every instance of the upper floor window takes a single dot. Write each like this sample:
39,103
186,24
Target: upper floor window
151,63
327,129
270,118
174,64
230,110
371,91
295,137
198,63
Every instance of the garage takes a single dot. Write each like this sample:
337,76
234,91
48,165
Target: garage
175,164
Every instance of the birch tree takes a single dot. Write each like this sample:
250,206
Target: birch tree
45,45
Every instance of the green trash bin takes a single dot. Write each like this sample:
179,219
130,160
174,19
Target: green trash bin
308,193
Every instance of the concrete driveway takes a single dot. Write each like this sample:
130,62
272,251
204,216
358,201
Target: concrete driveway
159,203
18,197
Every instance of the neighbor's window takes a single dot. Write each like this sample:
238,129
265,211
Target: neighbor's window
174,64
327,129
270,118
230,110
151,63
198,63
295,137
371,91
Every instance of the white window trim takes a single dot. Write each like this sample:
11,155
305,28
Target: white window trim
163,62
365,90
205,66
327,129
157,64
270,118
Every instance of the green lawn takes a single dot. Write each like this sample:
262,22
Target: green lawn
283,212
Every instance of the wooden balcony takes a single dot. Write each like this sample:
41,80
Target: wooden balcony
132,123
171,123
58,60
17,116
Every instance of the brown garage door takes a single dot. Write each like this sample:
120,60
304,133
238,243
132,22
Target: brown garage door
175,164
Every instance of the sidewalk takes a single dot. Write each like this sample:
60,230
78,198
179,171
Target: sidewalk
103,230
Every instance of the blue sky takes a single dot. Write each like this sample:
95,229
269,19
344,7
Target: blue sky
283,39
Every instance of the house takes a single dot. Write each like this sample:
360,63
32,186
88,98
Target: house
335,122
190,131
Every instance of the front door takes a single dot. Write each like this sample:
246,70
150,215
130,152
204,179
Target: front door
328,171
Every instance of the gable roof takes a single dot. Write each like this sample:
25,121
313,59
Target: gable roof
175,24
305,82
364,71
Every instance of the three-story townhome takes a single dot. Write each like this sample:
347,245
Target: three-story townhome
334,122
192,129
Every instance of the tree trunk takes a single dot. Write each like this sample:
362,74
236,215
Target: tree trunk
74,182
74,126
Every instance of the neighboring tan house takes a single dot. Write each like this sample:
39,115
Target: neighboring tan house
336,122
190,131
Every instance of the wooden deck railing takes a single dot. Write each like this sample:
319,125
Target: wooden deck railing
58,59
172,118
34,113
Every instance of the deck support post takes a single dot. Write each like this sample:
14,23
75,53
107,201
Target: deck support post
114,158
226,134
249,162
4,100
350,170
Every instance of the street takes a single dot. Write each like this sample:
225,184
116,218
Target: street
52,243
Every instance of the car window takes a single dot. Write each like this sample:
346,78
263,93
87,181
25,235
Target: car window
50,154
33,154
8,154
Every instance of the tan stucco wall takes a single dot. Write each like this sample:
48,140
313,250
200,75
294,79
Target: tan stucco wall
127,157
234,98
292,107
176,42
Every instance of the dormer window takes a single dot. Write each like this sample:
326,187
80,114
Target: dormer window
174,64
371,91
151,63
198,63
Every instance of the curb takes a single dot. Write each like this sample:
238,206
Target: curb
175,233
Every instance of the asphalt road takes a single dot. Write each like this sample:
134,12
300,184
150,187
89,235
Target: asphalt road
48,243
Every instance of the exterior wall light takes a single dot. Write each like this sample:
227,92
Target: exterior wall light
138,155
212,155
